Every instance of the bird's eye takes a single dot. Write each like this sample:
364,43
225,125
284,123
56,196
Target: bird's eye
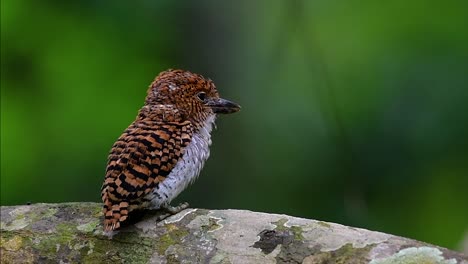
201,96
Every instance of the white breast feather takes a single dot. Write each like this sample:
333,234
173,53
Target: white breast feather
188,168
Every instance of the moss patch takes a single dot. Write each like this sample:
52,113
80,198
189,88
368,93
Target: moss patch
324,224
345,254
296,230
51,244
173,236
212,225
88,227
130,247
280,224
290,239
294,250
12,244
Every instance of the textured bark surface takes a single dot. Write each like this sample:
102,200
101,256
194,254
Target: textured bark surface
72,233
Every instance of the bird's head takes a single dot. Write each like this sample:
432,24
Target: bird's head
194,96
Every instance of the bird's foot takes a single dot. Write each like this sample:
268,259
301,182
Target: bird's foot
175,209
172,210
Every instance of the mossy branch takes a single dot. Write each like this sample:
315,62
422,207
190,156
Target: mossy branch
72,233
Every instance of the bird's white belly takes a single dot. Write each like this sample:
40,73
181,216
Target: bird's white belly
187,169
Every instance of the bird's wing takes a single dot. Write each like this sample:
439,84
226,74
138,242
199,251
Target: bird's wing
140,159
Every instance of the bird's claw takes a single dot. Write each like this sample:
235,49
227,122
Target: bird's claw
175,209
172,210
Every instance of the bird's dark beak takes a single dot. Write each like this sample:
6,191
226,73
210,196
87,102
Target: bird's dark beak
222,106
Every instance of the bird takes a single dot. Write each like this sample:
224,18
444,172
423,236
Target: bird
163,151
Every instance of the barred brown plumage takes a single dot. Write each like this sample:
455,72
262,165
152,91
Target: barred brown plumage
164,149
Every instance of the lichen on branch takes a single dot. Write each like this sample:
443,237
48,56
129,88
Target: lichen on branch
73,233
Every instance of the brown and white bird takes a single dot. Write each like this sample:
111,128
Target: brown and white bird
165,148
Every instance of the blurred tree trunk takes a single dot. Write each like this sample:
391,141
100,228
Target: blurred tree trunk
72,233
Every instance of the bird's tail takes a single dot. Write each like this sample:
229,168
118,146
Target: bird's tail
114,214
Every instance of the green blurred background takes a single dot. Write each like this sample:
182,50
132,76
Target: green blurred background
353,112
